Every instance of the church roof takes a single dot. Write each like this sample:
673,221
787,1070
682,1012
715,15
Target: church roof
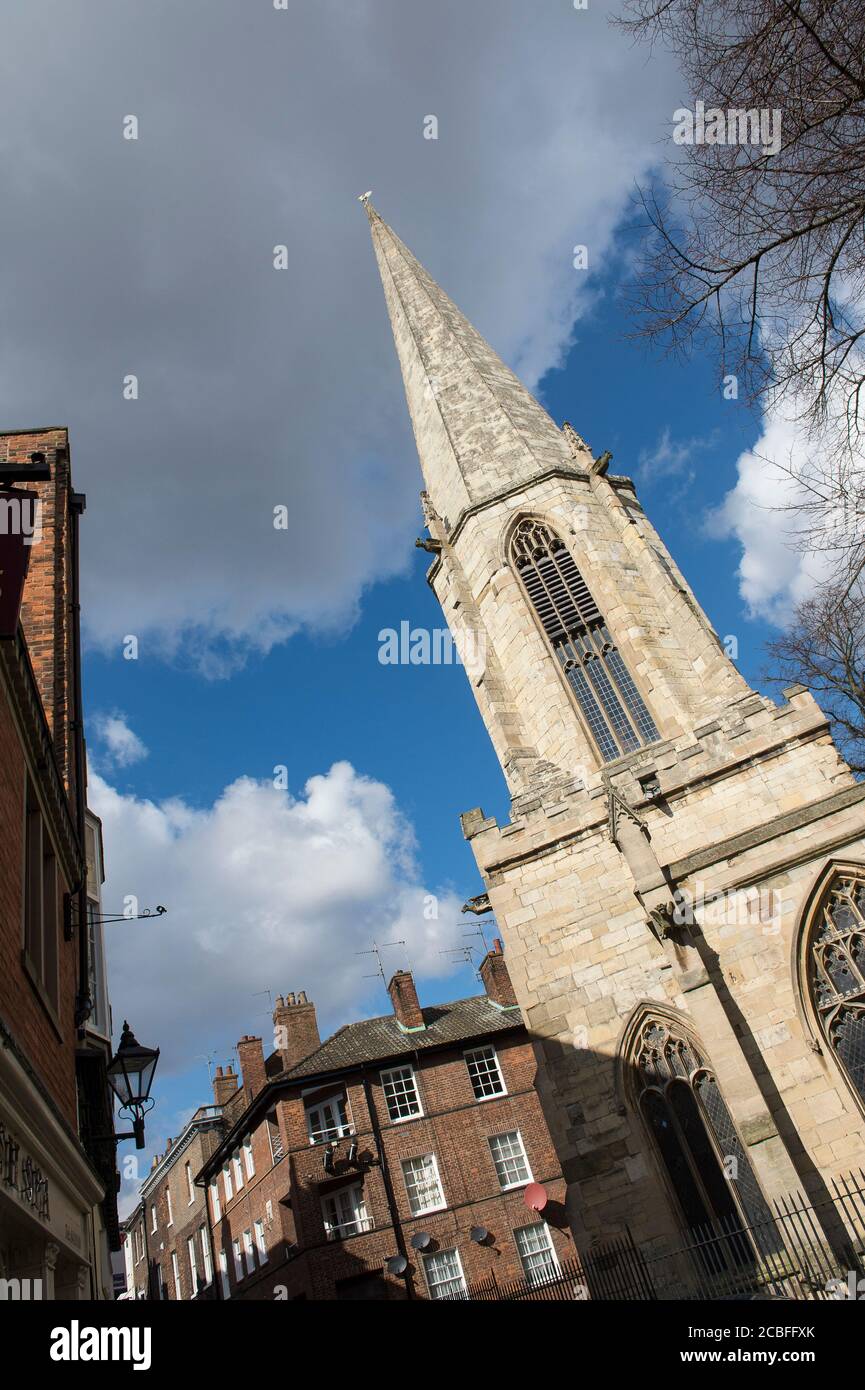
478,430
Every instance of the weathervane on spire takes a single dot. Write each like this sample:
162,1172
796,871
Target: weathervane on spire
365,197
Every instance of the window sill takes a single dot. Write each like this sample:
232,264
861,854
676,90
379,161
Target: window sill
338,1238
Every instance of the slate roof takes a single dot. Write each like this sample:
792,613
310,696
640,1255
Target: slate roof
374,1039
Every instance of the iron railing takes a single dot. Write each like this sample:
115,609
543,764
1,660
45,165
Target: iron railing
807,1249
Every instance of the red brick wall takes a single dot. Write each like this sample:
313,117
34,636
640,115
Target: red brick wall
455,1128
295,1030
50,1051
46,621
187,1219
45,613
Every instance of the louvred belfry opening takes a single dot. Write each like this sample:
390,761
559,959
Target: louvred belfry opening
613,708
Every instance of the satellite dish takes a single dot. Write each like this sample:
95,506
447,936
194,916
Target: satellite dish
479,1234
397,1264
535,1196
420,1240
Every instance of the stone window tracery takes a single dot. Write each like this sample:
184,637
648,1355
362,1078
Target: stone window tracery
685,1112
611,704
836,972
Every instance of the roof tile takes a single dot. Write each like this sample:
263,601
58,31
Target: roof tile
375,1039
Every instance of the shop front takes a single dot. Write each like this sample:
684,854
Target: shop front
48,1192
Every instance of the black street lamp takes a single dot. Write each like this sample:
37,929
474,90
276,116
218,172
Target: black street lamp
130,1074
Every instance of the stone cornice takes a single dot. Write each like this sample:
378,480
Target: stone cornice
559,471
17,675
674,788
770,830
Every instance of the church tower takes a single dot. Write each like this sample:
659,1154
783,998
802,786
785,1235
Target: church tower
681,883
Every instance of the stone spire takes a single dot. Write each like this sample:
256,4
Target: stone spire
478,430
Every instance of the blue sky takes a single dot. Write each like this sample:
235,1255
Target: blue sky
321,698
260,387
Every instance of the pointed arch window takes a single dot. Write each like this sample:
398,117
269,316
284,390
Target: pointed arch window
604,688
836,972
685,1113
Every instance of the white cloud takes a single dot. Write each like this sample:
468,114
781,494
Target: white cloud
763,513
264,890
260,387
119,746
670,458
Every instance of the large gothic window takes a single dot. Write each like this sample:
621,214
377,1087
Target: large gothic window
836,972
613,707
684,1111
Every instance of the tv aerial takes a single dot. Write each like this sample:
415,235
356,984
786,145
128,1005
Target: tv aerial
376,951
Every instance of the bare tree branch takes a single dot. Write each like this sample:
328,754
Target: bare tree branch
769,239
824,649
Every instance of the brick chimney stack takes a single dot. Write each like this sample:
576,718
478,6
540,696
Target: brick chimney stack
250,1050
405,1002
224,1085
295,1028
47,599
497,981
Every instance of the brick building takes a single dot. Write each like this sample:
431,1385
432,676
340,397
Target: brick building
167,1238
133,1243
58,1215
390,1161
681,881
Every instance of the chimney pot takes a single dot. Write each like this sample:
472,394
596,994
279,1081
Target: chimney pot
295,1029
224,1085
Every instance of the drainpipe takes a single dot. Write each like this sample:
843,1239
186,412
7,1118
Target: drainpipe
388,1186
84,1004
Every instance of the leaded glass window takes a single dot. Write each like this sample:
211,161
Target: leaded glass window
682,1106
605,691
836,973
